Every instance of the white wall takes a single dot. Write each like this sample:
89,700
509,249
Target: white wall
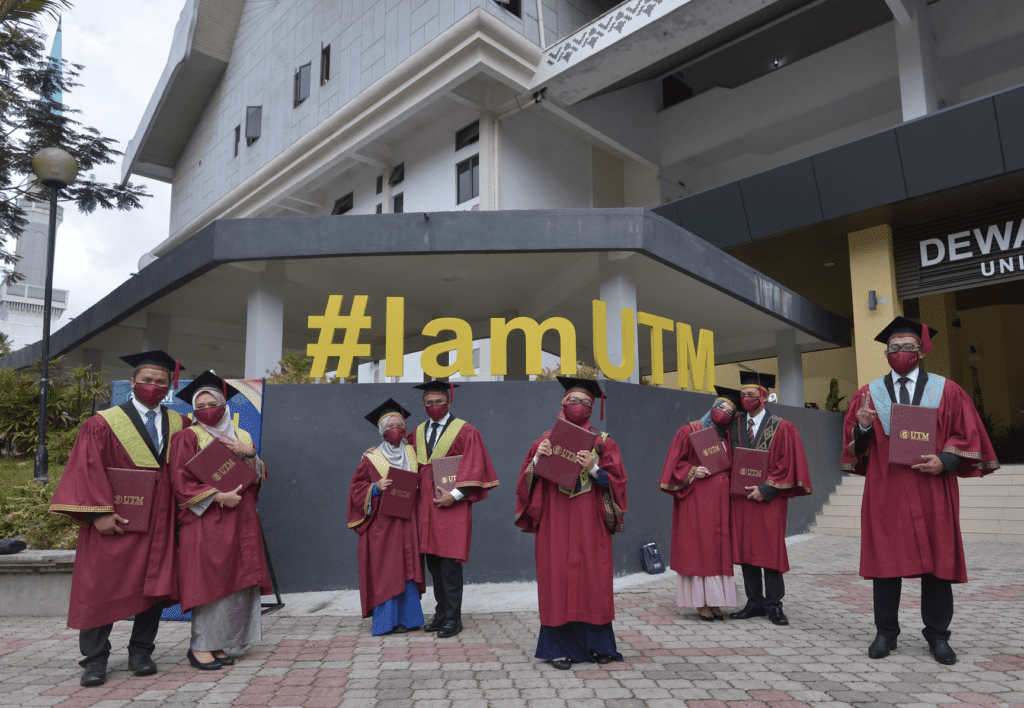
542,166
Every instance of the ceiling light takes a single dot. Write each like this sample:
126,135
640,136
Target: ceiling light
829,264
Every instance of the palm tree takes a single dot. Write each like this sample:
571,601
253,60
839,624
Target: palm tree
5,343
31,10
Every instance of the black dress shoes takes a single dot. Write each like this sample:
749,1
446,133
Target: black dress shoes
141,664
706,618
225,660
748,612
400,629
450,629
777,617
209,666
563,663
942,652
603,658
434,624
881,647
95,673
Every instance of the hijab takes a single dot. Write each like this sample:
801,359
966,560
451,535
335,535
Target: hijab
223,430
396,455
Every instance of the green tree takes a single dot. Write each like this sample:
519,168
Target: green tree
31,121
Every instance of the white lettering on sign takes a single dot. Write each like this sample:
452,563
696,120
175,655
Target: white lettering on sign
960,246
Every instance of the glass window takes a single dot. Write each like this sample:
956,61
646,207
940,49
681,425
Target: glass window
325,64
399,204
467,174
253,123
302,83
342,205
397,175
467,136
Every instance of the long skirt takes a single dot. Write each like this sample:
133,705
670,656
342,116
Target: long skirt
579,641
403,609
229,623
714,591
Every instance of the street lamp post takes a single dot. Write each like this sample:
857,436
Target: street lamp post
56,169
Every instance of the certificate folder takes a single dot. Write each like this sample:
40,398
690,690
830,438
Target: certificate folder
561,466
220,468
133,496
749,469
912,434
446,473
398,499
710,450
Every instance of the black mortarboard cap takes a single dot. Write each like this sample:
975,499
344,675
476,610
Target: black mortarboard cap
756,378
158,358
388,406
438,386
207,379
730,394
901,325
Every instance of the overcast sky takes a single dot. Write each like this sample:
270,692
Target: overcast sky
123,45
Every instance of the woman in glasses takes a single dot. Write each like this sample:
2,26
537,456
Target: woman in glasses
701,542
573,544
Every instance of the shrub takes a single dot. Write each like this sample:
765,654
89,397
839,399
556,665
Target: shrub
24,511
583,371
294,369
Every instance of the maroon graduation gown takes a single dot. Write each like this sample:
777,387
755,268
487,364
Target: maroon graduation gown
448,532
759,528
701,534
117,576
573,543
389,548
910,521
220,552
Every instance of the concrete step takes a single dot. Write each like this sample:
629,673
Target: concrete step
978,500
828,531
838,522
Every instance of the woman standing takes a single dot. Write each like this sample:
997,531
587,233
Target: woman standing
573,545
222,560
701,541
390,564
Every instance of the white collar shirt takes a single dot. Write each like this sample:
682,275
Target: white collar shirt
159,420
757,422
911,384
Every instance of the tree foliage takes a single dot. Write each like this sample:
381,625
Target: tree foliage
31,121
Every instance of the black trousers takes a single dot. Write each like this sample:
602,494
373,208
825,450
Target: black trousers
447,577
936,606
774,586
95,643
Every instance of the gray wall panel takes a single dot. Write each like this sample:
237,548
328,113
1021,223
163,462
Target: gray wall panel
1010,114
716,215
781,199
313,437
950,148
860,175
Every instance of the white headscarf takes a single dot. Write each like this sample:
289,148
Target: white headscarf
223,430
396,455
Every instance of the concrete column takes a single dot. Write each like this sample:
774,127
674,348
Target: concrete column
617,274
872,268
264,321
385,193
158,333
921,88
939,311
490,162
791,369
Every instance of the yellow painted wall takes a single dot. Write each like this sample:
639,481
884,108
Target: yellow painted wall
872,268
939,311
998,336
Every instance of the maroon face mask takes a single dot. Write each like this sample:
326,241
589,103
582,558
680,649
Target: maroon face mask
210,416
576,413
750,404
149,394
720,418
395,435
437,412
903,362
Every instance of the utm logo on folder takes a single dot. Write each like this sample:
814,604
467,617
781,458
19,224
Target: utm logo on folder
914,435
224,469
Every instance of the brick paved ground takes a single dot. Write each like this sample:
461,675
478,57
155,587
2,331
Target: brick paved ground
672,659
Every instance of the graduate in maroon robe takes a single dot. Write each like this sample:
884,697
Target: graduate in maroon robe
119,573
390,564
910,516
223,564
573,543
759,520
701,533
446,523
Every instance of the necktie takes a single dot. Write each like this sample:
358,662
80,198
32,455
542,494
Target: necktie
151,427
433,437
904,391
750,429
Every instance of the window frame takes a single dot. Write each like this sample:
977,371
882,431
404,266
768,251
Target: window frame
253,124
342,205
238,139
397,175
303,78
398,203
462,141
474,185
325,63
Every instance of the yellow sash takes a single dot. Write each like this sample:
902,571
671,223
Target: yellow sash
132,442
442,446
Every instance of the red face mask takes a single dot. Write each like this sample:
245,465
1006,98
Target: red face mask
903,362
437,412
750,404
210,416
720,418
149,394
576,413
395,435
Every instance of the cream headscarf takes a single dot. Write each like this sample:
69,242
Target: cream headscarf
223,430
396,455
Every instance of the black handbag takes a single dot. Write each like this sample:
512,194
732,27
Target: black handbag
651,559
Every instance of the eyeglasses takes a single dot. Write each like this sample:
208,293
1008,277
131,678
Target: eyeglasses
723,406
580,402
894,348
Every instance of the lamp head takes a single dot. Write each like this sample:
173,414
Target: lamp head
55,167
